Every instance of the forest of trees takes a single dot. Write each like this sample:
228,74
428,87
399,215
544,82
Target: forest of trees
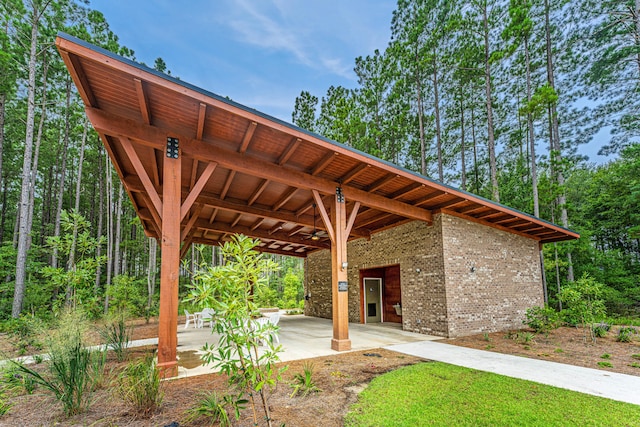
494,97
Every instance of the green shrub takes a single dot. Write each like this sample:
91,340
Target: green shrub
139,385
600,330
116,335
625,333
71,365
605,356
605,364
636,356
584,302
214,408
303,382
542,319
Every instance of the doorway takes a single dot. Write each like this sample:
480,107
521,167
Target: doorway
380,295
373,299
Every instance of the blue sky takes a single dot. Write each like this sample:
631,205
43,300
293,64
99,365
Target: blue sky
259,53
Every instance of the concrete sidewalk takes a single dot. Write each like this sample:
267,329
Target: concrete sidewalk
621,387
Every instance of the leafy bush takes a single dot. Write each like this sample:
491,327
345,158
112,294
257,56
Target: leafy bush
625,333
600,330
304,382
139,385
584,303
229,290
116,335
542,319
214,408
71,365
605,364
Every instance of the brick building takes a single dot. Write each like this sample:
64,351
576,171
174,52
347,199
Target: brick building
452,278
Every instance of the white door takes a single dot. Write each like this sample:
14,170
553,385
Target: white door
372,300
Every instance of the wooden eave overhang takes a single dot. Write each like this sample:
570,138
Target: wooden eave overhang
246,172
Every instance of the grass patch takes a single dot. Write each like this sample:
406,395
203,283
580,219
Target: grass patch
435,393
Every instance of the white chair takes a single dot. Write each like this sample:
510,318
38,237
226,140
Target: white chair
191,317
274,319
207,316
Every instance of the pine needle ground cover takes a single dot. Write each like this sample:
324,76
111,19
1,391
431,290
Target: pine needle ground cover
439,394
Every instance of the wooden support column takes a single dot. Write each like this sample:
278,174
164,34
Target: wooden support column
170,262
338,230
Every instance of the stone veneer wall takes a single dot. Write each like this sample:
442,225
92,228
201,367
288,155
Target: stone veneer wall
506,280
440,294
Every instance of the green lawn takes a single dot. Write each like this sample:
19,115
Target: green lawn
438,394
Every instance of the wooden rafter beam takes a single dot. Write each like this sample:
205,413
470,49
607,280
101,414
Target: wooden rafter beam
257,223
77,72
295,230
448,204
428,197
142,173
278,235
134,185
236,221
192,220
227,184
213,215
202,112
405,191
155,172
323,163
197,189
285,198
276,227
250,165
324,215
354,173
288,152
143,102
246,140
258,192
381,182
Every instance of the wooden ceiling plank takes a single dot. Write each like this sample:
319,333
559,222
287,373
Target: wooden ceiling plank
197,189
353,174
143,102
227,184
77,73
285,198
142,173
258,192
323,163
374,219
381,182
246,140
288,152
202,112
325,217
488,224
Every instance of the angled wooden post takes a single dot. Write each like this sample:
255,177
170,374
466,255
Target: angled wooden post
170,261
340,293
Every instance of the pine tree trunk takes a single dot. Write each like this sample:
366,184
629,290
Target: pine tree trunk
534,173
423,145
493,169
437,116
151,271
117,261
475,149
96,287
463,165
71,265
24,206
63,171
555,137
3,100
109,234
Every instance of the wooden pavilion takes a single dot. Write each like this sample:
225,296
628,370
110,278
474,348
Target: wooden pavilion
199,167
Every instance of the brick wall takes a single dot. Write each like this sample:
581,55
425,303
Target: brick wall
440,294
506,280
